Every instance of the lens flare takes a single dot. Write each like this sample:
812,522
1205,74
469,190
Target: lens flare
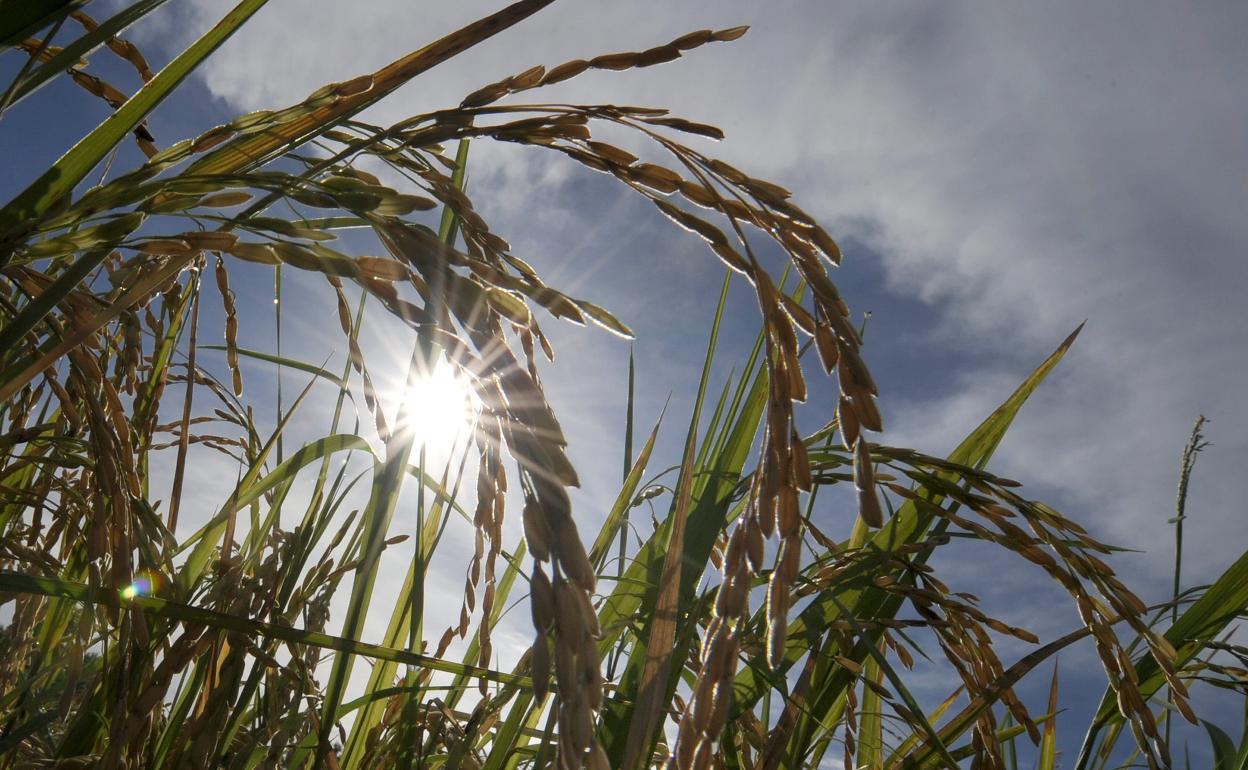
143,585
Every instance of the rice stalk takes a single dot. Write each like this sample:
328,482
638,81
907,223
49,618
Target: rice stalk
134,644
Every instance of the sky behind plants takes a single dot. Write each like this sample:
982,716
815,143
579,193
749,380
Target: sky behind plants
996,174
999,175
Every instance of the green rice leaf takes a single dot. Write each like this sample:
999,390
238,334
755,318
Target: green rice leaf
60,180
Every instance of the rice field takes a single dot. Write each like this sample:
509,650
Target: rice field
731,631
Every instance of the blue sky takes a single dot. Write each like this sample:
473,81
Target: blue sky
997,174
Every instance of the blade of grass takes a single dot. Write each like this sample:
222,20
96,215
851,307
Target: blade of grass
1048,743
383,675
60,180
71,54
907,746
185,613
907,526
286,361
388,480
870,721
620,720
617,518
252,486
1204,620
19,19
254,149
934,739
652,694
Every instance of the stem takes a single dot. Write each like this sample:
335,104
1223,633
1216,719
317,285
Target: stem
1195,443
179,472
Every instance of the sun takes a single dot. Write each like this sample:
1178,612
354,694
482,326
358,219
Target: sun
440,409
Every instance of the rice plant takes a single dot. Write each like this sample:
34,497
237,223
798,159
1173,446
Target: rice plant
734,633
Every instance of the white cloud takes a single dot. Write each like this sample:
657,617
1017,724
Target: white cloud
1020,168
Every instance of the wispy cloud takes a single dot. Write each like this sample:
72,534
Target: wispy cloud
1020,169
1015,170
